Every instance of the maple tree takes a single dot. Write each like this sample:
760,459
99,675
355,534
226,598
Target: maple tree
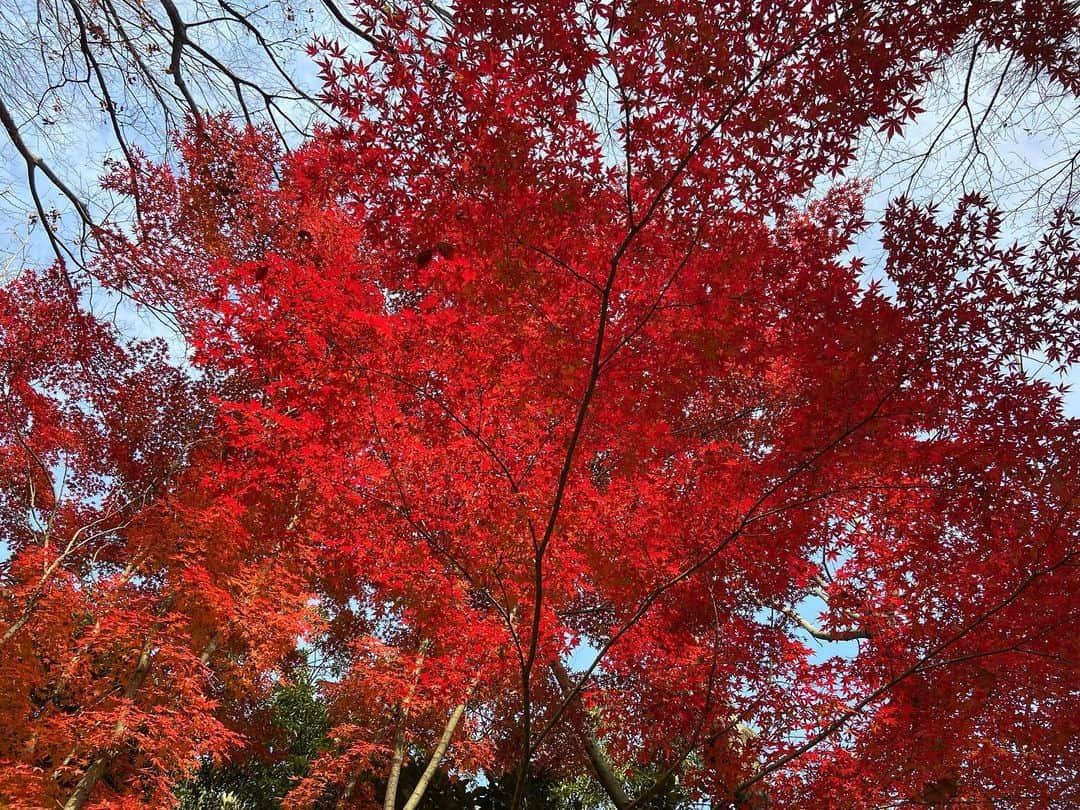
544,401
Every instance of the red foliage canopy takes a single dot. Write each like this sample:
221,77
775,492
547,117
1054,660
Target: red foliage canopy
540,397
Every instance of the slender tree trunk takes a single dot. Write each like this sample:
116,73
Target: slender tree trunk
396,760
602,767
93,774
390,799
436,757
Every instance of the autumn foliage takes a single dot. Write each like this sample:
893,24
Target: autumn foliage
543,398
